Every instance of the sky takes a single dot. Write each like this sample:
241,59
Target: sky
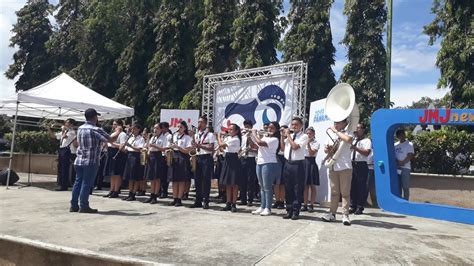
414,73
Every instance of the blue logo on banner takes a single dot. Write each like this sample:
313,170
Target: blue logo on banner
320,116
247,111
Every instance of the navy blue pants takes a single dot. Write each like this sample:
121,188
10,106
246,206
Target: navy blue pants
202,177
293,173
64,164
249,181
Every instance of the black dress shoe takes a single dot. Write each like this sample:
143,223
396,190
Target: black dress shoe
281,206
227,207
351,210
288,215
276,205
304,208
74,209
173,203
206,205
295,216
359,211
141,193
233,208
114,195
178,203
311,208
196,205
88,210
108,195
60,189
153,200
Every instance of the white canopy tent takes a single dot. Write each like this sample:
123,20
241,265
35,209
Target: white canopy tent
60,98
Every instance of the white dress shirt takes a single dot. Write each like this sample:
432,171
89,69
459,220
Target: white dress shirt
206,138
183,141
233,144
136,142
344,160
296,155
314,144
365,144
68,140
244,146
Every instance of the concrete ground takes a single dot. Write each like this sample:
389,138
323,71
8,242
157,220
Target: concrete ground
163,234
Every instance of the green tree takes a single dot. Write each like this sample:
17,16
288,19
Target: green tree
309,39
425,102
103,39
62,46
366,70
453,24
171,71
213,53
257,31
32,30
134,59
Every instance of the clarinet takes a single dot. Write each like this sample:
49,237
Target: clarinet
126,142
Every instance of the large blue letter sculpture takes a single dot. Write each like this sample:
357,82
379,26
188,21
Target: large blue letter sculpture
383,125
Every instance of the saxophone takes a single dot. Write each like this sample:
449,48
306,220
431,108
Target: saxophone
169,153
193,160
244,153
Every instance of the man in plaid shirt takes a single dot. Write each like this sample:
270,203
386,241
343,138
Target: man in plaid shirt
90,139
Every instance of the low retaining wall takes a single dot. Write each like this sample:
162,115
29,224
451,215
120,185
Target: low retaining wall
443,189
45,164
20,251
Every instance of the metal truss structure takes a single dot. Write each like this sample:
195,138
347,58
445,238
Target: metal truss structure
298,69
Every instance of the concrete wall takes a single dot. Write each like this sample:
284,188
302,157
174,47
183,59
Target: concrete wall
17,251
40,163
443,189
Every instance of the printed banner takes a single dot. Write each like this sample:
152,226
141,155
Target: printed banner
175,116
261,102
320,122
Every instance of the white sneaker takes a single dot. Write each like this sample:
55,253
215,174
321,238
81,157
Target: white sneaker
330,217
266,212
345,219
257,211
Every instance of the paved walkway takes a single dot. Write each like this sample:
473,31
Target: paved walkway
194,236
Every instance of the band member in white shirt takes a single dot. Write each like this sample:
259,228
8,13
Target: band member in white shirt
294,146
204,142
340,174
116,159
134,171
156,164
67,146
404,152
268,166
231,173
360,149
311,171
166,138
247,159
181,172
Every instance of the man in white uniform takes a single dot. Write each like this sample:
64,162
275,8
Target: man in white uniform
404,153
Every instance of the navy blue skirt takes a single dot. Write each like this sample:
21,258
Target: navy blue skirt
133,169
156,167
181,171
231,174
114,166
311,171
280,180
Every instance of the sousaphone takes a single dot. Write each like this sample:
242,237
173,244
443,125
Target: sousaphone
340,104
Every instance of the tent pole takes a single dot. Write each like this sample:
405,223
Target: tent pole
12,146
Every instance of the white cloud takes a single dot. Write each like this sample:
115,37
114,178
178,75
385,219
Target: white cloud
404,94
414,60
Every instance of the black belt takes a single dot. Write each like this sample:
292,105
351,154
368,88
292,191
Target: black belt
359,162
295,161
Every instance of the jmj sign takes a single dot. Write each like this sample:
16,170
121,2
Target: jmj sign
175,116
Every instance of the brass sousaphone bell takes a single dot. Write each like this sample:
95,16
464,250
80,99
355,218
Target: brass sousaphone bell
340,104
